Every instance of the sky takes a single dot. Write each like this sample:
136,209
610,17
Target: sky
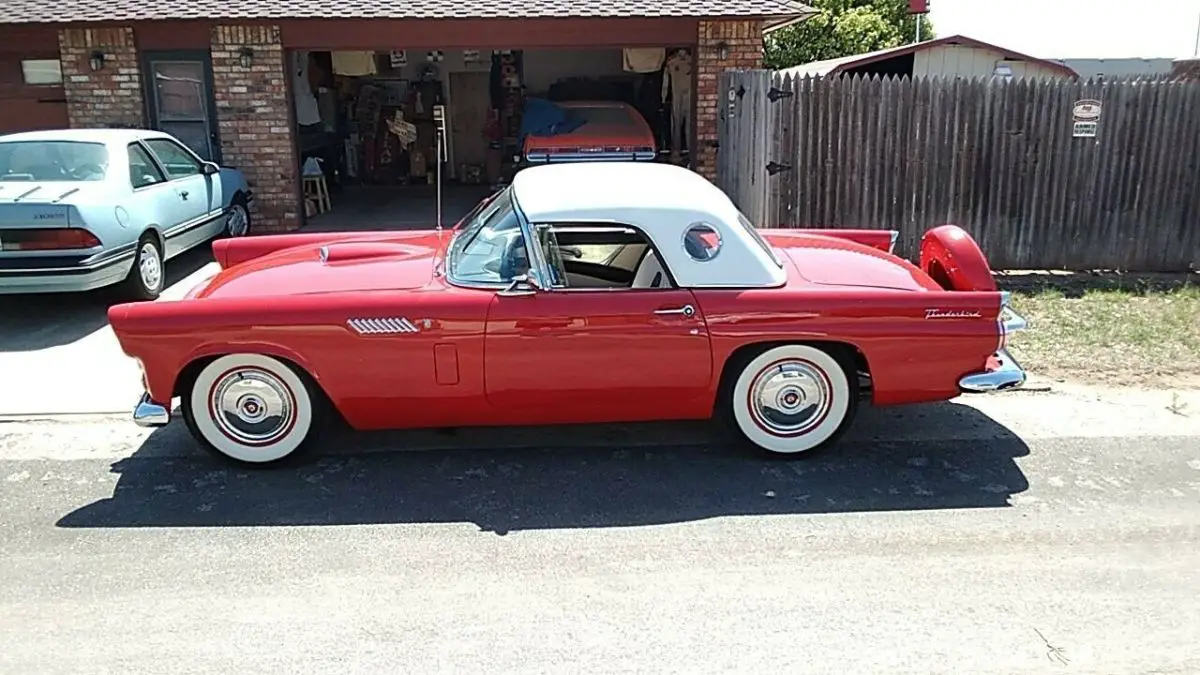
1075,28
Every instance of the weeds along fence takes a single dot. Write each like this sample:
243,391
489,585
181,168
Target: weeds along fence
1045,174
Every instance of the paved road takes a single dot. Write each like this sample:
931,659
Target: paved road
986,538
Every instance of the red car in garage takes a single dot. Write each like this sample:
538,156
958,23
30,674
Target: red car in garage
594,131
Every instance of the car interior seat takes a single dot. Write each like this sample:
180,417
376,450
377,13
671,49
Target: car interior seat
650,272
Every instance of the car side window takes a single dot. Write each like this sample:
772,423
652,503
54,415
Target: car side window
142,170
179,162
600,256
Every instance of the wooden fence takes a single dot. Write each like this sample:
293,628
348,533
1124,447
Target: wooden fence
1002,159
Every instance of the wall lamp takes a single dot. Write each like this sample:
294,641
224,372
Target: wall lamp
722,50
246,57
96,61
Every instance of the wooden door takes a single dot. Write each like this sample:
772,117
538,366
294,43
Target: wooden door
470,101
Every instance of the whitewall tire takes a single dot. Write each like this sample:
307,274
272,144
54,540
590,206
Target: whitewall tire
252,409
792,400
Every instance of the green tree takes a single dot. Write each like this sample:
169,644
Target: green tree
844,28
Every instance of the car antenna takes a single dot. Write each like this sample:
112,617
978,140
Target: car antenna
439,124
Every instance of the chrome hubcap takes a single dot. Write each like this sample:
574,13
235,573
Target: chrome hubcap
252,406
790,398
149,266
237,222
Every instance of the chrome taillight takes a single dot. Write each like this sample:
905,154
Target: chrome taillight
1009,321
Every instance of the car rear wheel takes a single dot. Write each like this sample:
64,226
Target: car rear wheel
148,275
792,400
253,409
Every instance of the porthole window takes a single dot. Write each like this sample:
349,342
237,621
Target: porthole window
702,242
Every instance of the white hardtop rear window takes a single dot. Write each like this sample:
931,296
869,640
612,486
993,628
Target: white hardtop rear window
758,238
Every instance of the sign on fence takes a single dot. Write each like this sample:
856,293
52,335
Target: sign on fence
1086,118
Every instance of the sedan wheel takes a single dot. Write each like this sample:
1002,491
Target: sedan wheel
252,409
237,221
146,278
793,399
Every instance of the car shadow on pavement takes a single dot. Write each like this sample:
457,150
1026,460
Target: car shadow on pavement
941,456
42,320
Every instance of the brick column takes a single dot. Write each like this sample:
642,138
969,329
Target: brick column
743,42
255,121
111,96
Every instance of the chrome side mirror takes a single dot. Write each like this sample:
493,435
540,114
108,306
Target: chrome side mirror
522,284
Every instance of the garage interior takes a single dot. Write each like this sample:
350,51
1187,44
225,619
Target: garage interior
365,122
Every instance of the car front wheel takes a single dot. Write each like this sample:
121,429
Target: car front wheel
237,221
791,400
253,409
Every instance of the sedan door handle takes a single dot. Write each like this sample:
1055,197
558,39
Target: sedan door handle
183,194
686,310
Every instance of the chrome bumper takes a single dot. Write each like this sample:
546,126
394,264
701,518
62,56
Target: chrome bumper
150,414
1008,374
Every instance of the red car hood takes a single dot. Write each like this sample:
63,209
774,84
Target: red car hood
394,261
829,261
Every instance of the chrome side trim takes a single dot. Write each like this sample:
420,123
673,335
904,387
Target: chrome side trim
382,325
150,414
189,225
1007,376
892,245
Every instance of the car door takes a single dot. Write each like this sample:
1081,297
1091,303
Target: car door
154,201
595,355
197,194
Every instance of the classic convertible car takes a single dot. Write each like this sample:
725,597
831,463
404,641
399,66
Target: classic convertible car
581,293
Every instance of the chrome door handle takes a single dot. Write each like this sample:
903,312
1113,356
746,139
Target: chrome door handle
686,310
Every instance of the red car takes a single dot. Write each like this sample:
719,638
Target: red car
610,131
581,293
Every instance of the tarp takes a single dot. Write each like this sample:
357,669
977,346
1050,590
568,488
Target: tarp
545,118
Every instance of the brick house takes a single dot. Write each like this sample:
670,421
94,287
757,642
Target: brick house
241,81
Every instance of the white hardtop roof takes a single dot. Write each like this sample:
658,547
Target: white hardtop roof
602,191
664,201
115,135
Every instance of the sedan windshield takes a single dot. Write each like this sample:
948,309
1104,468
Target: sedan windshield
489,247
66,161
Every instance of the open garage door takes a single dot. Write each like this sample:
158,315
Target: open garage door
366,119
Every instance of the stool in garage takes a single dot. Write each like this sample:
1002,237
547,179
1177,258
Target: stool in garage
317,192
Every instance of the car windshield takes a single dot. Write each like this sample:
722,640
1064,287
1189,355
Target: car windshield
68,161
489,247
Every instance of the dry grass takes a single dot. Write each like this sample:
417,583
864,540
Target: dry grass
1101,331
